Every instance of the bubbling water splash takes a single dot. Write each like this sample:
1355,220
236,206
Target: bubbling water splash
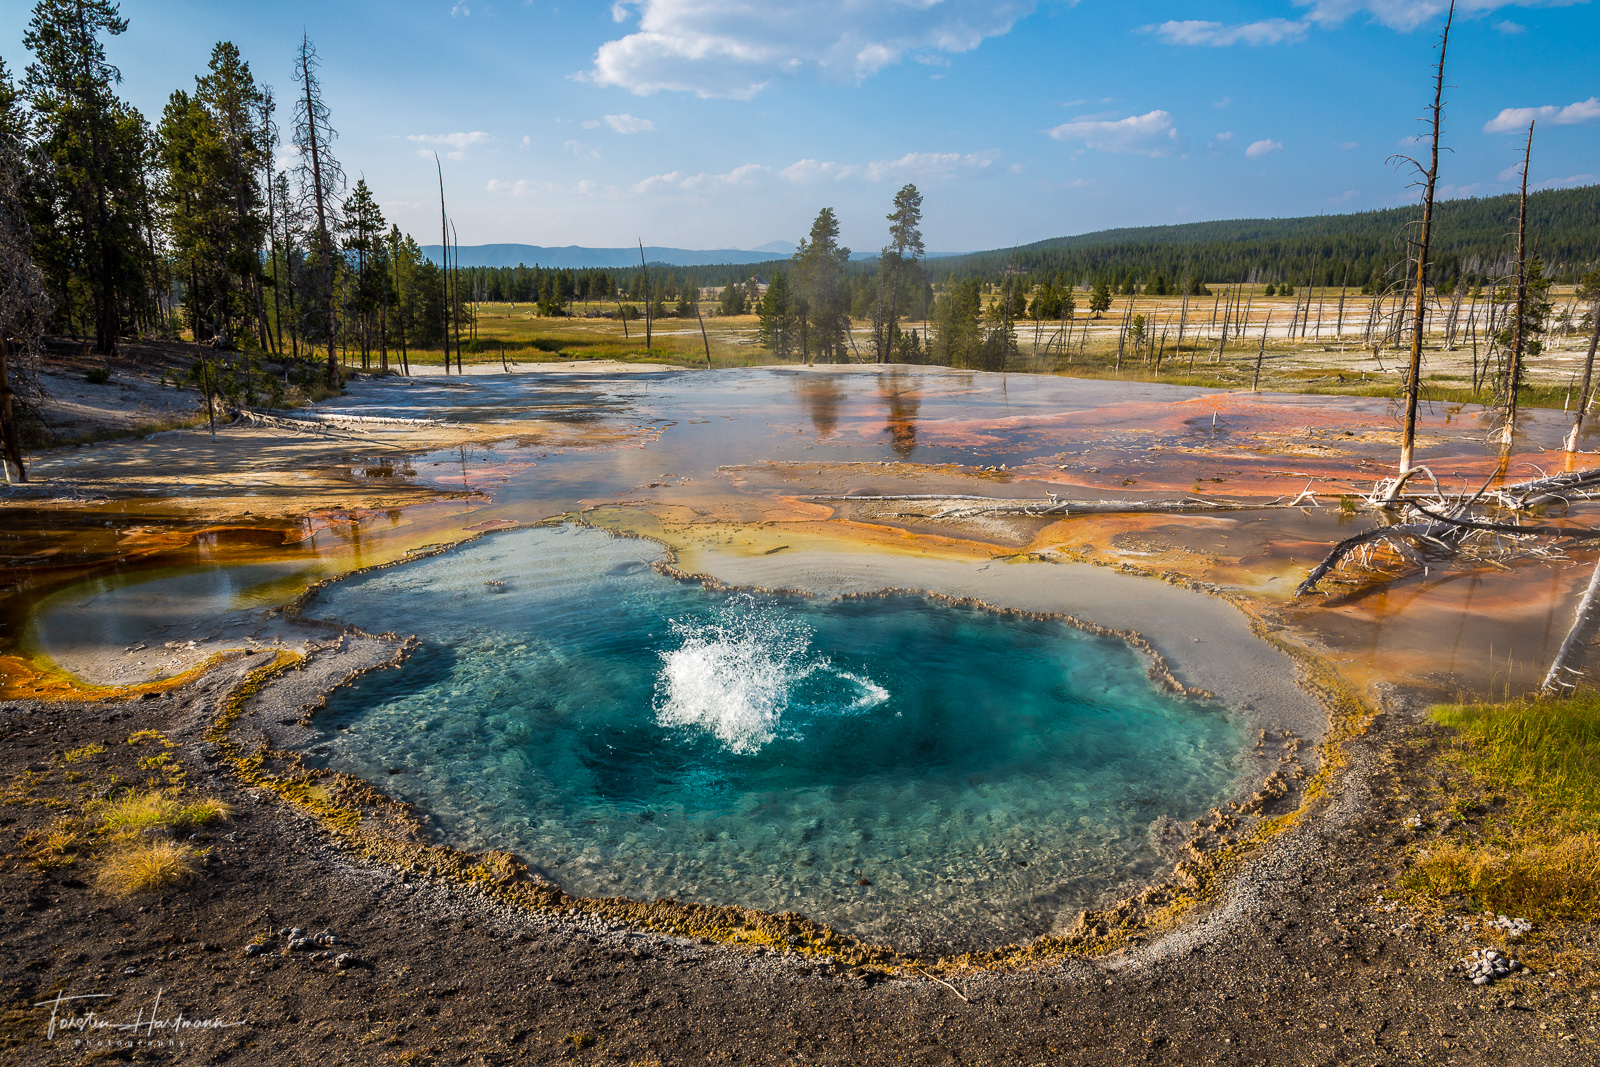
736,674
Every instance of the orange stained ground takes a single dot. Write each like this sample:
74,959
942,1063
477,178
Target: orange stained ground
739,458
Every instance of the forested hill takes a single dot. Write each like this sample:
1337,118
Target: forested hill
577,256
1471,238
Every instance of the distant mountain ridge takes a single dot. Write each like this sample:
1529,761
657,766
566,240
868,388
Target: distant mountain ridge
1472,237
571,256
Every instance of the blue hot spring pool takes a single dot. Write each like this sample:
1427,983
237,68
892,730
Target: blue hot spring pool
938,776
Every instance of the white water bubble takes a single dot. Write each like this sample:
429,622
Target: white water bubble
736,675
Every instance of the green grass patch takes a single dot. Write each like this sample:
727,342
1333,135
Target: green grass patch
1536,852
1547,750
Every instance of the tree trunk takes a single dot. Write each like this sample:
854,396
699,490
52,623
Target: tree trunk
1588,381
1518,341
1583,627
648,309
1255,382
9,440
444,264
1408,434
455,297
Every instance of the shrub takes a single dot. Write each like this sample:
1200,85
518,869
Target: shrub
97,375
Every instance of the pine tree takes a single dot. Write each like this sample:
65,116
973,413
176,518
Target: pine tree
189,149
24,304
86,212
1100,298
777,317
362,230
905,246
234,103
819,266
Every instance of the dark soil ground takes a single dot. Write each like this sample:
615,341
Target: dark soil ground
1296,961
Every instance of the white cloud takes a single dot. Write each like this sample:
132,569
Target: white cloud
1409,14
1559,183
910,165
747,175
1150,134
626,123
588,124
1258,149
658,181
814,170
734,48
1513,119
1224,102
522,188
1345,197
1225,135
519,188
1218,35
460,142
581,150
925,165
1510,28
527,141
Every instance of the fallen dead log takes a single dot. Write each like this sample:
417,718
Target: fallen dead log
335,417
1584,622
276,422
1563,488
1576,533
1055,506
1441,531
1425,531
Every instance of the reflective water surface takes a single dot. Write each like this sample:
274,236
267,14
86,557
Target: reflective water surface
943,777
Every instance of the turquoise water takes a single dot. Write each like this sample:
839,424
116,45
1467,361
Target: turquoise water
938,776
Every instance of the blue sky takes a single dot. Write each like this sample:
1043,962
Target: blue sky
729,123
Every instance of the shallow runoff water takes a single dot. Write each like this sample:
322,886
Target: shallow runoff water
942,776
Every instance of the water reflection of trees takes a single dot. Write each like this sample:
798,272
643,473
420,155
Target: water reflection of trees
902,401
822,396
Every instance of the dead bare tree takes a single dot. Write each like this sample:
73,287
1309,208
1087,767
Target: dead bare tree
1448,525
644,269
444,261
1430,177
321,179
1588,289
1513,380
1255,382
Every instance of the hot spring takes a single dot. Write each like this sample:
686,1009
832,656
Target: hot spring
902,768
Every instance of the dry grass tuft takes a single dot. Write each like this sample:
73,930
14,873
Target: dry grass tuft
143,867
141,813
202,812
54,847
135,814
1558,878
